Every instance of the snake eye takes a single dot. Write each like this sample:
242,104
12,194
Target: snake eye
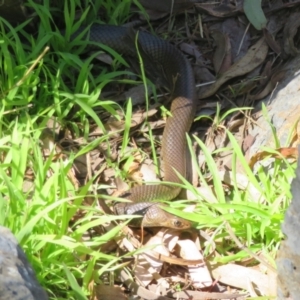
177,223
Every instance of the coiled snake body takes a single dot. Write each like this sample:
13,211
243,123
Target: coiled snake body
181,83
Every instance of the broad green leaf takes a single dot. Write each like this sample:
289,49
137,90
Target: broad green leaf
255,14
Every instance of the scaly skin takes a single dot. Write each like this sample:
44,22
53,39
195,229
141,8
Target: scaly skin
180,81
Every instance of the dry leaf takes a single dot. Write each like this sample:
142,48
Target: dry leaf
239,276
199,274
147,170
289,32
271,42
254,57
107,292
225,9
222,55
272,82
149,267
291,152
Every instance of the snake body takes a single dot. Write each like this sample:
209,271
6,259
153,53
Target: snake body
180,80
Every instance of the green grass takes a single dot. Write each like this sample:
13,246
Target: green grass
39,201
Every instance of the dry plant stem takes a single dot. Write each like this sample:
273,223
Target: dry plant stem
241,246
210,240
200,25
170,16
20,82
88,167
241,43
16,109
33,66
246,124
269,101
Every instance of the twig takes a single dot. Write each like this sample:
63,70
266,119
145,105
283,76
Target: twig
33,66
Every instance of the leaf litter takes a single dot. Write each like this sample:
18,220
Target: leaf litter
242,53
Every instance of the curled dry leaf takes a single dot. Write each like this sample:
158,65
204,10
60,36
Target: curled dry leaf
148,171
199,274
291,152
275,79
241,277
225,9
254,57
290,30
222,55
148,267
150,262
271,42
107,292
240,39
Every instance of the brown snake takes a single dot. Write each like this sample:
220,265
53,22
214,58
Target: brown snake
168,60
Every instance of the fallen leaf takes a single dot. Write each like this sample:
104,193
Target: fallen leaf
225,9
272,82
291,152
199,274
240,39
107,292
255,56
241,277
222,55
147,170
289,32
271,42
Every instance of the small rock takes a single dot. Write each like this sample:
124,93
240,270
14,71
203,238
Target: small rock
17,278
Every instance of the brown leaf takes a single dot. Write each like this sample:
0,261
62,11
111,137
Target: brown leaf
222,10
222,55
254,57
276,77
289,32
203,74
242,277
240,39
271,42
199,274
107,292
148,171
291,152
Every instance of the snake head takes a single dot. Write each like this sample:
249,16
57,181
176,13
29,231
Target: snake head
175,222
157,217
